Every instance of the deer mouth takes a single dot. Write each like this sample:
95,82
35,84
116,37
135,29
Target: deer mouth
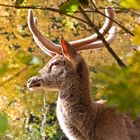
34,82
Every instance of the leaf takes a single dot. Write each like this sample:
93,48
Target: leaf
21,2
136,38
3,68
3,123
69,7
121,86
35,60
26,59
135,4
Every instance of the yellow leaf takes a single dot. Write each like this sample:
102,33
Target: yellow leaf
135,4
136,38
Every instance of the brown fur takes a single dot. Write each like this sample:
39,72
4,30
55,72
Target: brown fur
81,118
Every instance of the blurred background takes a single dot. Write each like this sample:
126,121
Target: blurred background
30,115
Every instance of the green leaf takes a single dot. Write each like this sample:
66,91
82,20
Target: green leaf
135,4
3,68
21,2
3,123
69,7
121,86
26,59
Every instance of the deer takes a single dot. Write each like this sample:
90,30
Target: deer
80,117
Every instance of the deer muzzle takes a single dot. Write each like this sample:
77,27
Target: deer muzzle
34,82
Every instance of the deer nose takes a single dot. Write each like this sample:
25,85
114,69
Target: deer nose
34,82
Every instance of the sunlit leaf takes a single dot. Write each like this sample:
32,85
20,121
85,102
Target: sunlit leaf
131,4
21,2
69,7
136,38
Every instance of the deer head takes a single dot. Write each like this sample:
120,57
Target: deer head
67,62
58,69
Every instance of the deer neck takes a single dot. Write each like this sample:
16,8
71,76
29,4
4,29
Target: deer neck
76,85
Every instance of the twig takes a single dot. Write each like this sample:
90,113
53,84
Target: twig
120,63
126,30
30,7
96,9
44,113
134,13
15,75
125,9
60,12
44,8
87,21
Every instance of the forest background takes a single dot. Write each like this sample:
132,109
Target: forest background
30,115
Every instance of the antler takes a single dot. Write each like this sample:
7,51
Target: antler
99,44
44,49
44,43
109,12
51,48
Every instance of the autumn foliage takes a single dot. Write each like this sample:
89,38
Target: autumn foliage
27,115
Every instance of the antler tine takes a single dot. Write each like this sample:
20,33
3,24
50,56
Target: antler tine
44,49
109,12
49,53
90,42
99,44
39,37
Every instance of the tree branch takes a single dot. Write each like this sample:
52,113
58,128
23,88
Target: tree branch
44,8
87,21
120,63
44,114
14,75
126,30
60,12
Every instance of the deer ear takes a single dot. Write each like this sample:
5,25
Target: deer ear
68,50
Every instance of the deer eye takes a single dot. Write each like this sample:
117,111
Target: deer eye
55,63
